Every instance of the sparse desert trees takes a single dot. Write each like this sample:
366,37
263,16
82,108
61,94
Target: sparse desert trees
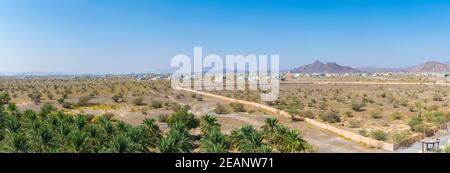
35,97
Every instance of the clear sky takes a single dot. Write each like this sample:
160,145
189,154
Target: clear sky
118,36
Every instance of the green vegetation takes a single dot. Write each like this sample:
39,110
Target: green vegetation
53,131
4,98
358,106
379,135
138,101
396,116
84,101
238,107
400,137
330,117
156,104
117,98
220,109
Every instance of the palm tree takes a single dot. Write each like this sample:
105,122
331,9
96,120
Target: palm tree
150,133
136,136
96,136
78,142
269,127
120,143
289,141
12,109
45,139
208,122
15,142
167,145
108,128
214,141
178,140
12,123
81,121
248,140
211,147
122,126
30,115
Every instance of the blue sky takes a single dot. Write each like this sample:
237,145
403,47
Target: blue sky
117,36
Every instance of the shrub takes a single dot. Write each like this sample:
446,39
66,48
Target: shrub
163,117
238,107
379,135
349,114
354,124
67,105
61,100
376,114
156,104
363,132
183,116
35,97
416,124
295,117
50,96
437,117
323,105
396,116
438,97
84,101
117,98
433,108
220,109
357,106
400,137
138,101
396,104
293,111
307,114
331,117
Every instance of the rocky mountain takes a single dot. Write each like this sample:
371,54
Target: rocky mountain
319,67
430,66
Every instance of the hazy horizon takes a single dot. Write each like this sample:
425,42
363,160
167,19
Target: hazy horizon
114,37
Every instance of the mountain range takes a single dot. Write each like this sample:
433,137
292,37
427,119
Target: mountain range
319,67
331,67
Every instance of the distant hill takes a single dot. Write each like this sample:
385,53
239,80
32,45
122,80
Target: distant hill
430,66
319,67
